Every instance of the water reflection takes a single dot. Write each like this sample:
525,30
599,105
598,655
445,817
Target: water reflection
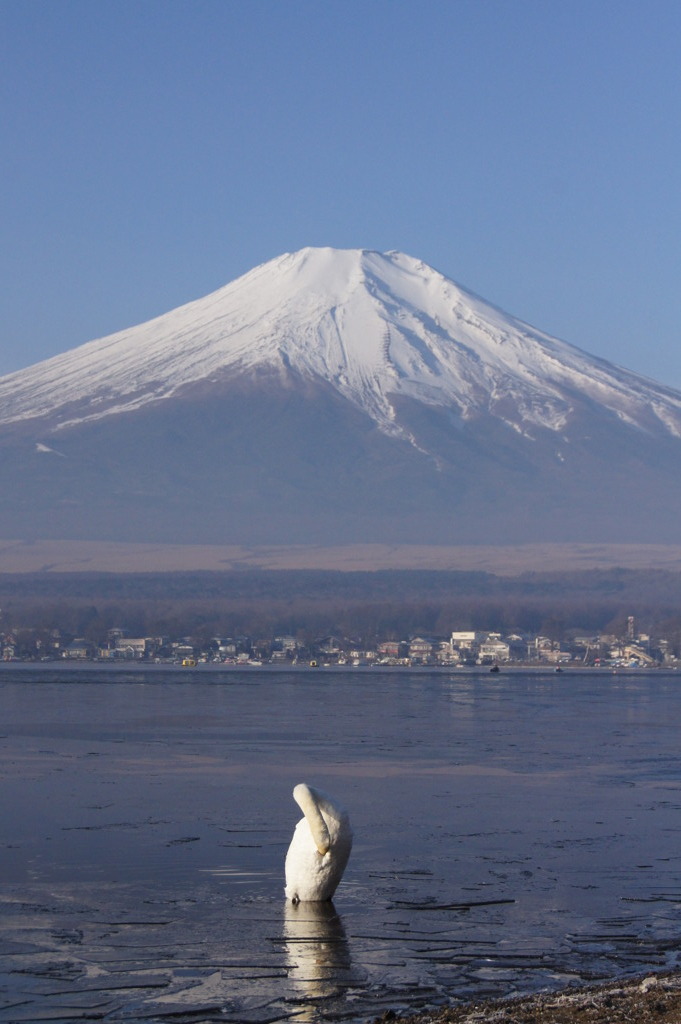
317,951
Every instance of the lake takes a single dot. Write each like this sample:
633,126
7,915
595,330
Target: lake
512,832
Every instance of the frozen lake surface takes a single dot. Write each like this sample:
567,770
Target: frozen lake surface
512,832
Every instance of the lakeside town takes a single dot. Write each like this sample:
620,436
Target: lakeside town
460,648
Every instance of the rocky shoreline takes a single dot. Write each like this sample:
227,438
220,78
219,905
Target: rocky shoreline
643,1000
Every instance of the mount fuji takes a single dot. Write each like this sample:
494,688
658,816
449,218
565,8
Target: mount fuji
337,396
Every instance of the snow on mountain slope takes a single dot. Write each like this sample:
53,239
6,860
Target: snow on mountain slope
375,326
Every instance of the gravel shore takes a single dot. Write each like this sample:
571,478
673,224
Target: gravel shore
654,998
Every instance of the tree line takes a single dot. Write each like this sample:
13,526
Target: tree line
365,605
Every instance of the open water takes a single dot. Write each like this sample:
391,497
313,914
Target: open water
512,832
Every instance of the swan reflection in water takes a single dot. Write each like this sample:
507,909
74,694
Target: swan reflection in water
317,951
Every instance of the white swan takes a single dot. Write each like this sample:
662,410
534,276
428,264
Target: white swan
320,847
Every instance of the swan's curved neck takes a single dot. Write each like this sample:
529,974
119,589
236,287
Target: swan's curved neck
308,801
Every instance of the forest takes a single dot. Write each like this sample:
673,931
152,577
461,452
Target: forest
364,605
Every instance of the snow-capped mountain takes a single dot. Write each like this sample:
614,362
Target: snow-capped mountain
335,395
373,325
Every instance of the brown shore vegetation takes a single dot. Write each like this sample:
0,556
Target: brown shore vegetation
64,556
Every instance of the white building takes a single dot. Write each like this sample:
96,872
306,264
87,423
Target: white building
494,649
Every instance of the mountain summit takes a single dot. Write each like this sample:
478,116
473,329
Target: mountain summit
331,396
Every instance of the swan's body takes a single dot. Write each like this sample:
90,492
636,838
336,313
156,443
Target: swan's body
320,847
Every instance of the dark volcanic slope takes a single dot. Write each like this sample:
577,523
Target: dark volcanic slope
267,464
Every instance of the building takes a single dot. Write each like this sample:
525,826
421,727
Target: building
493,649
78,649
131,647
464,644
420,649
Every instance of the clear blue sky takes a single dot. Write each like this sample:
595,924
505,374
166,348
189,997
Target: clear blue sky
530,149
